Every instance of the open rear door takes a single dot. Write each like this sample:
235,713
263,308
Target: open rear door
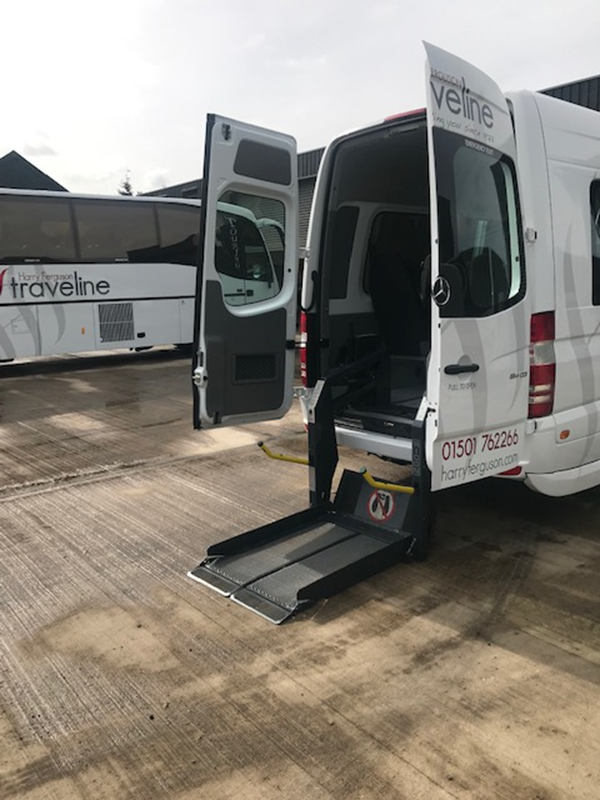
247,282
479,365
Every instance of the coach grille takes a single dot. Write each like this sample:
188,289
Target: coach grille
116,322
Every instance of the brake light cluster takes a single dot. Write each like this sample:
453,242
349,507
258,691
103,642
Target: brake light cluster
542,365
302,344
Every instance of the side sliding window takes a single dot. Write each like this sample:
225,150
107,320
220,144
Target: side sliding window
595,220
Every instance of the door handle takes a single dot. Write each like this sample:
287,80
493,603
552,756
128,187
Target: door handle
458,369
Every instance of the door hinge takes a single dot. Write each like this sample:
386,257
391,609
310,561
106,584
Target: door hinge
200,377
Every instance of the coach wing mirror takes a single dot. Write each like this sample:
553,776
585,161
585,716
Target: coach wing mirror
264,222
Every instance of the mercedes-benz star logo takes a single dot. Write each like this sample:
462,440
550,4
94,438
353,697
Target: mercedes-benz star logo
441,291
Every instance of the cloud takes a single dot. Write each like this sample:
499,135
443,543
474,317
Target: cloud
304,63
148,71
155,179
38,144
257,40
31,149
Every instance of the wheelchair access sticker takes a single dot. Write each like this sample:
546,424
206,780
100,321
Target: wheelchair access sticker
380,505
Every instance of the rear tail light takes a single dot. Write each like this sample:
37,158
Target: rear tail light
542,365
303,347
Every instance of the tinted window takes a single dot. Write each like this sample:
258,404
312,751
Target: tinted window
32,229
257,160
595,214
270,218
262,208
272,234
259,251
178,229
400,242
338,248
116,230
242,259
479,227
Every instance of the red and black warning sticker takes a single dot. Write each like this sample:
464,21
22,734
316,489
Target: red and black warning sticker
381,505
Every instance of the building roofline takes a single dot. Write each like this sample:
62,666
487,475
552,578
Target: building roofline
570,84
13,156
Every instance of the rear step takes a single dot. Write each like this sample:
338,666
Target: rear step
281,568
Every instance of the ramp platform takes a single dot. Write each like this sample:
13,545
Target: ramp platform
281,568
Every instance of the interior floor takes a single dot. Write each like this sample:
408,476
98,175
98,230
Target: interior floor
392,403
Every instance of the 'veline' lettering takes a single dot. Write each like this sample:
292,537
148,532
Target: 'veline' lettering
463,103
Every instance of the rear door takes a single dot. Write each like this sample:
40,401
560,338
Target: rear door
479,365
246,300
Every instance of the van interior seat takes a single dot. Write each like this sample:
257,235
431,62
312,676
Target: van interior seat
395,280
404,325
398,305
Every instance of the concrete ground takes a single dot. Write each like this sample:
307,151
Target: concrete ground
473,675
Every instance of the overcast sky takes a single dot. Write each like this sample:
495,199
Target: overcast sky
91,90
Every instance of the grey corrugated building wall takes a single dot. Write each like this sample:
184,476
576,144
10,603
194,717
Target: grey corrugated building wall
584,93
308,166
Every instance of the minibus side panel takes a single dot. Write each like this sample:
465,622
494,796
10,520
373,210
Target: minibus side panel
573,144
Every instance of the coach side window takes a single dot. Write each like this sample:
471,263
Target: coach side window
35,230
179,227
116,230
595,220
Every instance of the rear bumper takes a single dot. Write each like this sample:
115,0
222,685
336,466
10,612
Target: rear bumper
565,482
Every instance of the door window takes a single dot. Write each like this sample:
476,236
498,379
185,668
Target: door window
249,247
481,254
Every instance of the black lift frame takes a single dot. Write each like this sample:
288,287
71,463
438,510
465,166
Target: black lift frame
281,568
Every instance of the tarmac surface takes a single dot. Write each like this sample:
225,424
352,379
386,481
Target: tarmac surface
473,675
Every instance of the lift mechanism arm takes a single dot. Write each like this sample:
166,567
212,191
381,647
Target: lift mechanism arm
281,456
390,487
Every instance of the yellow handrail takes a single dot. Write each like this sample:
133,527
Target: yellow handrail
281,457
390,487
